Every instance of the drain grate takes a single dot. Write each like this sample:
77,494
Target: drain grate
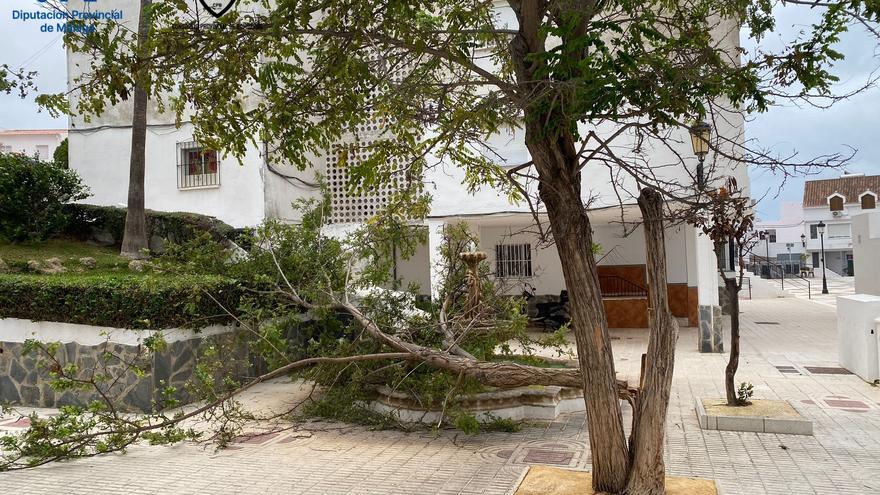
827,370
790,370
766,323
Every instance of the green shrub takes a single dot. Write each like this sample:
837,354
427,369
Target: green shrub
32,197
120,300
59,157
108,223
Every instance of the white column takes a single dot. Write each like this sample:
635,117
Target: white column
435,256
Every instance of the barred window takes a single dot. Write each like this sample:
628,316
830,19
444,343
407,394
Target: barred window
513,260
196,166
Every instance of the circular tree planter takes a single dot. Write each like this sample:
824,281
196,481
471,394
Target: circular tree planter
522,403
761,416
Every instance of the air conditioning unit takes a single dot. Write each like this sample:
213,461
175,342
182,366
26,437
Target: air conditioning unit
836,214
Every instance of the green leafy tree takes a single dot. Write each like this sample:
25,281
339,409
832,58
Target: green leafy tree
582,79
32,197
59,156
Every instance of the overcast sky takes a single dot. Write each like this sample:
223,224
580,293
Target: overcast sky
807,131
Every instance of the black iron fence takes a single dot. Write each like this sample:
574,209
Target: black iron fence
614,286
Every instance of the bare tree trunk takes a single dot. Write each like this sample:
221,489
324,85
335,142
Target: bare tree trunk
560,190
134,238
732,287
648,473
733,361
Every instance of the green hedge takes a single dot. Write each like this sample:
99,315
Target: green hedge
154,301
107,223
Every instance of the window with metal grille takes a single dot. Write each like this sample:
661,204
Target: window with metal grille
196,166
513,260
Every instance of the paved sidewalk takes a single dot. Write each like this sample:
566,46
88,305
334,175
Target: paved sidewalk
842,457
837,286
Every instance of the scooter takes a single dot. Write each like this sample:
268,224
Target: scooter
550,315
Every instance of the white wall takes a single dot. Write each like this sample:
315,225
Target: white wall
789,228
547,276
101,157
40,143
866,253
19,330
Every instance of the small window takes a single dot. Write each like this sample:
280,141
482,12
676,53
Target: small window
836,203
814,231
196,166
869,201
513,260
772,233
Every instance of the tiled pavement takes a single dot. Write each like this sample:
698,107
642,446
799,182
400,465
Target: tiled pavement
842,457
837,286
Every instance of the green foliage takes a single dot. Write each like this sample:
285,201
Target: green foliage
68,251
98,427
16,80
413,66
745,392
59,156
121,300
178,227
32,195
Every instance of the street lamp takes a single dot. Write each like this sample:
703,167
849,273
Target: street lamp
821,229
765,235
803,240
700,134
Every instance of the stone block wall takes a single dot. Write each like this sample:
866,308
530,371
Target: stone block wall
25,381
711,328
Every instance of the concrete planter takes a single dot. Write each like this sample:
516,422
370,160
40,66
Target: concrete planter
758,424
523,403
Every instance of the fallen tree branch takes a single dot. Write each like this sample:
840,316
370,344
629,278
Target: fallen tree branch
501,374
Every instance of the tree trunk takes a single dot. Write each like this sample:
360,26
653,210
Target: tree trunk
733,361
558,167
732,287
648,472
134,239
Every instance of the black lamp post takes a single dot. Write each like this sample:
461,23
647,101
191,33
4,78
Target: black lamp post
803,240
700,134
821,229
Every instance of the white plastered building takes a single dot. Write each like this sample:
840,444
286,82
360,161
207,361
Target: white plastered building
183,176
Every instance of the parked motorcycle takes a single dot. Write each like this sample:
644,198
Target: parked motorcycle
549,315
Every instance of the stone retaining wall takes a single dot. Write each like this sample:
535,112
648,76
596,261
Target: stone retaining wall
24,378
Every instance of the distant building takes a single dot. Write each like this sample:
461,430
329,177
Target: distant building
780,240
32,142
834,202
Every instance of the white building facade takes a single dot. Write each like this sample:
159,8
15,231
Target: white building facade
181,175
782,241
40,143
834,202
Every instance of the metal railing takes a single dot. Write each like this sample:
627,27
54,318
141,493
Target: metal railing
777,271
614,286
803,283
